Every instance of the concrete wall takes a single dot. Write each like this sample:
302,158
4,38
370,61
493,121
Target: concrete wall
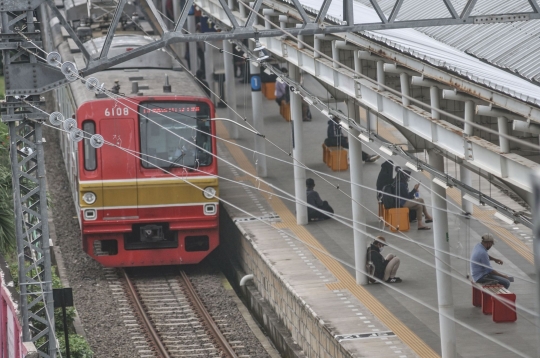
303,327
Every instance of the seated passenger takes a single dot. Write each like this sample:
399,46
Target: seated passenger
315,200
336,139
407,199
282,89
480,259
385,269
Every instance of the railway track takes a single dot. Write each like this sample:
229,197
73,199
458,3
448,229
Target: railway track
169,317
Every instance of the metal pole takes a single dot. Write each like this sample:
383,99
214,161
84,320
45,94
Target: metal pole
358,215
442,261
209,68
193,63
504,143
535,182
258,120
230,93
298,147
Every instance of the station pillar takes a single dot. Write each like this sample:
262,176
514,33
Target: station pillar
230,93
442,261
258,119
298,148
535,182
358,215
464,173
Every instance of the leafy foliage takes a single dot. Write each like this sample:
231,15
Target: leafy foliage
78,347
7,219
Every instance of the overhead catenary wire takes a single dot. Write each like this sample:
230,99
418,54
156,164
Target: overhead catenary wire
113,96
184,139
305,167
138,154
463,324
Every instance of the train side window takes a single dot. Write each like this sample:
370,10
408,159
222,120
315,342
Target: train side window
90,162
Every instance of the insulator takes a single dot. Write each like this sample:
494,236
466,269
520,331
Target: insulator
56,118
69,69
76,135
70,124
97,141
54,59
92,83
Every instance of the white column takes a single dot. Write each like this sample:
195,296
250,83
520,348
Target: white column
442,261
209,68
191,27
504,143
405,88
380,74
230,93
258,120
358,215
372,121
298,147
434,98
535,182
464,173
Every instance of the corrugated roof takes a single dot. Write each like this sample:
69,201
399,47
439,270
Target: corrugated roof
485,54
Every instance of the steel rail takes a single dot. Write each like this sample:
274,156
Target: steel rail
209,322
148,326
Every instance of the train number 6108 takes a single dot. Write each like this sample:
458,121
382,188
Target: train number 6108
116,111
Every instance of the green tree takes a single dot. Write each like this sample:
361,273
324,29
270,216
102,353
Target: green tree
7,220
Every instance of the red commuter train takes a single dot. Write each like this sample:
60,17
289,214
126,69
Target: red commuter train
132,211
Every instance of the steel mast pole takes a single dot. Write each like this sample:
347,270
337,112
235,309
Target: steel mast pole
28,182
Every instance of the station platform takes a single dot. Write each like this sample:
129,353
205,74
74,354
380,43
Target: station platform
316,261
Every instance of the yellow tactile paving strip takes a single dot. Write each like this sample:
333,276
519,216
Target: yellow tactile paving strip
485,215
346,281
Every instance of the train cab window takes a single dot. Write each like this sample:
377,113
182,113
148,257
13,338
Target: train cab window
175,134
90,162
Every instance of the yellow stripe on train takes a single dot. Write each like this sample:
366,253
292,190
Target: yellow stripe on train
118,193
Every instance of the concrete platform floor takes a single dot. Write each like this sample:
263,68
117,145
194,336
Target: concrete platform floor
513,242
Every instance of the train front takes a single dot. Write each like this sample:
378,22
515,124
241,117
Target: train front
148,196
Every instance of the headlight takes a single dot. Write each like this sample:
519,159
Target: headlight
209,192
89,198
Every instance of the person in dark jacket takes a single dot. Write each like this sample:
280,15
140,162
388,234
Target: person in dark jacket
314,199
386,175
334,138
407,199
385,269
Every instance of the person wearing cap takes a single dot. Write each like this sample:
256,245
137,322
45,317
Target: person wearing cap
315,201
384,269
480,263
407,199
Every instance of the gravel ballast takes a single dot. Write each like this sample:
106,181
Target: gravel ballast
94,301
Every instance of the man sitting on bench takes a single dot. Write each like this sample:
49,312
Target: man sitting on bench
480,266
336,139
314,199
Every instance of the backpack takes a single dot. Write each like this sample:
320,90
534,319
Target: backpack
388,199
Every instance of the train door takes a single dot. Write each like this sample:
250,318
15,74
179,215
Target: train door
119,169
